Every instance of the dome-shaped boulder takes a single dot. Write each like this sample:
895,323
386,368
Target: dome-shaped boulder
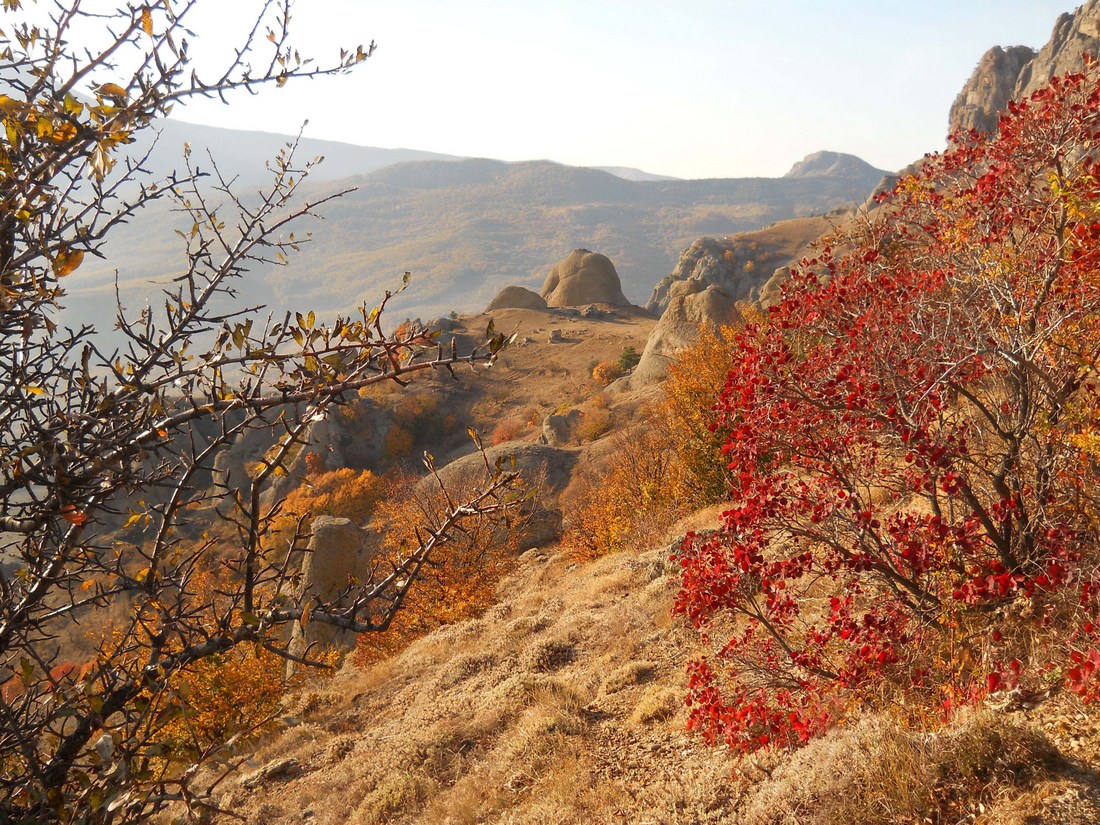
517,297
584,278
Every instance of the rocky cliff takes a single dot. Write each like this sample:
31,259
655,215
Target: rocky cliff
1011,74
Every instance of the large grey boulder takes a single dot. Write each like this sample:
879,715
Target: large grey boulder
516,297
547,469
693,305
584,277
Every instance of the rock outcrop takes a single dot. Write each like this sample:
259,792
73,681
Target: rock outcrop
517,297
1012,74
547,469
740,264
584,277
693,305
989,89
559,430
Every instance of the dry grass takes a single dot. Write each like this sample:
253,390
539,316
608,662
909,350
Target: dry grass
564,703
875,772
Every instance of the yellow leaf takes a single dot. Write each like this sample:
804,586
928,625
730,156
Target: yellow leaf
35,390
147,21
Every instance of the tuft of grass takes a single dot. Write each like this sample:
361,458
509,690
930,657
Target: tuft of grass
632,673
657,705
875,771
545,655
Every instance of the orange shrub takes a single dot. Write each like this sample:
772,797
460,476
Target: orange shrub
459,583
508,430
596,422
399,443
605,372
634,497
695,380
343,493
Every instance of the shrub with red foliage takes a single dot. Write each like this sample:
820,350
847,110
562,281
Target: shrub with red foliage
909,499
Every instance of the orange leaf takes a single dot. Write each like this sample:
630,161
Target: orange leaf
112,90
66,262
147,21
73,516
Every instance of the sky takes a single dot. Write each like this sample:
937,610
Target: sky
693,89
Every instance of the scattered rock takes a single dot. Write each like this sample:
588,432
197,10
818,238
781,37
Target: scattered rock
277,770
555,336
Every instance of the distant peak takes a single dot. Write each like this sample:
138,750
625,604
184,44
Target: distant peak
831,165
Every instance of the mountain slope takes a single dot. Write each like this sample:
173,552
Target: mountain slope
467,228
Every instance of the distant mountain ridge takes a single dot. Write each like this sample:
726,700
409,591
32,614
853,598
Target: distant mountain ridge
467,228
244,153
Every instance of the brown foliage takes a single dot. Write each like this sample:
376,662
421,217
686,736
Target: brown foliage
632,499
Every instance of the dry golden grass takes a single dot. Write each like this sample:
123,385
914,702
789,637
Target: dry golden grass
563,703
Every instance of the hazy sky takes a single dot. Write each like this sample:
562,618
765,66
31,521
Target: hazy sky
695,88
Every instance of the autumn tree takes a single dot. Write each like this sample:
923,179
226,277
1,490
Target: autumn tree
913,505
107,503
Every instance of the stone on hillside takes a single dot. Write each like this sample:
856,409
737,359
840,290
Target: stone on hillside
583,278
693,305
559,430
337,550
554,336
517,297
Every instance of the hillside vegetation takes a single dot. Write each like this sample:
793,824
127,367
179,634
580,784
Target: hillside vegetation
898,604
